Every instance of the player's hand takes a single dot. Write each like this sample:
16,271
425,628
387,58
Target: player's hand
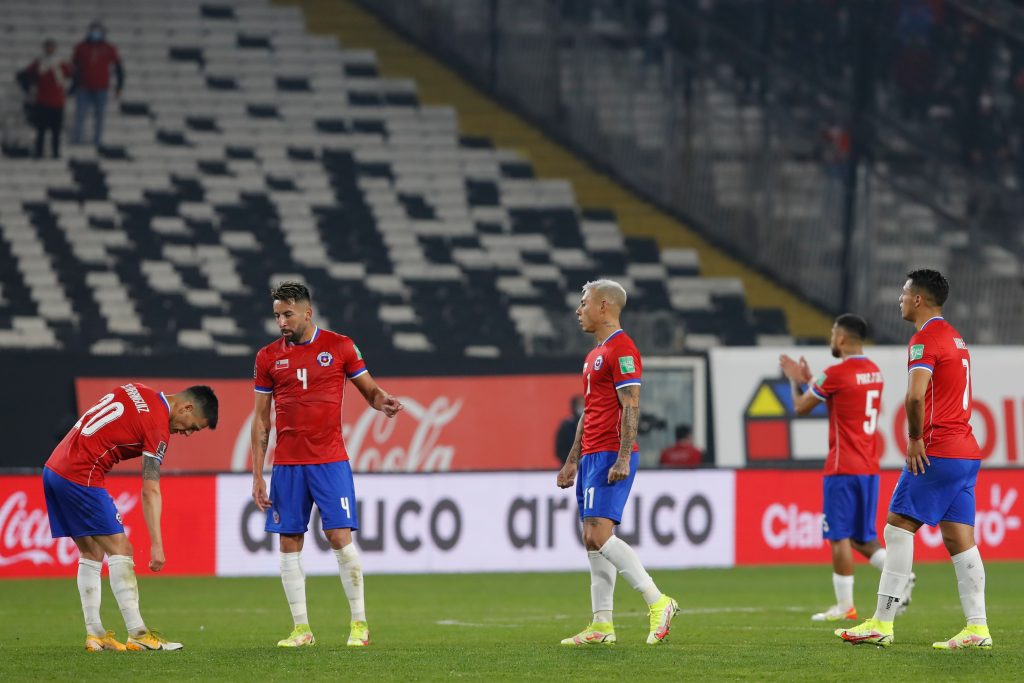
259,493
156,558
619,471
566,475
392,406
790,368
916,458
806,376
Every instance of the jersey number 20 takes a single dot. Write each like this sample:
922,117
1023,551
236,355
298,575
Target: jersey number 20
103,413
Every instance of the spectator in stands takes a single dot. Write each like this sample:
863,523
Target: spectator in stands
94,57
682,453
913,72
566,434
46,81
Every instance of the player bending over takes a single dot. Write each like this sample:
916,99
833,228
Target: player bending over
305,373
606,455
130,421
937,483
852,389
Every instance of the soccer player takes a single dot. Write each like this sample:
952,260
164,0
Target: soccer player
852,389
130,421
937,483
305,373
606,457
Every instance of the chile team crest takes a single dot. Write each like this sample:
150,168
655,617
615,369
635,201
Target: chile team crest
598,362
324,359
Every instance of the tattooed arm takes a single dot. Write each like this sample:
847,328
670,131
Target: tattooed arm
567,475
629,399
152,506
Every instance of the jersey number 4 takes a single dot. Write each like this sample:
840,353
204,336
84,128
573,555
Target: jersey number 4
300,374
100,415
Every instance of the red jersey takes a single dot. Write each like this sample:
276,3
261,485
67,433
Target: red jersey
681,455
130,421
853,391
613,364
308,384
93,62
938,348
51,82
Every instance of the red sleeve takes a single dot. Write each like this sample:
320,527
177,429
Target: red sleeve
828,383
157,432
262,378
921,353
626,367
353,359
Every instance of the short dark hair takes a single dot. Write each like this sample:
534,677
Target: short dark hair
932,283
854,324
683,432
203,398
290,290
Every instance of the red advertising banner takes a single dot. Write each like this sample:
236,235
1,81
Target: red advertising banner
778,517
449,424
189,527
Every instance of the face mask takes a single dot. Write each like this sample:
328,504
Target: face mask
96,35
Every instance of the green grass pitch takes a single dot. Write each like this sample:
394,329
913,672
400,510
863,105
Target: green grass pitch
749,623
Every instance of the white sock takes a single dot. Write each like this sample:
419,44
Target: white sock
899,560
843,586
126,592
602,586
351,570
89,590
877,559
625,560
294,581
970,580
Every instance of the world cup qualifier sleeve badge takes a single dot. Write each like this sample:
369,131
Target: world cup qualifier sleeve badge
324,359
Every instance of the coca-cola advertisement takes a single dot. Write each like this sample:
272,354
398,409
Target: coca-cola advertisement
189,526
449,424
778,517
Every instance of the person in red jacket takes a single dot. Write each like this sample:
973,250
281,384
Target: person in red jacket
93,60
48,76
682,453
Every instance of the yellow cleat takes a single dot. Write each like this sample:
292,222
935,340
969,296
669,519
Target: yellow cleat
974,636
104,642
359,634
597,633
661,618
300,636
870,632
151,640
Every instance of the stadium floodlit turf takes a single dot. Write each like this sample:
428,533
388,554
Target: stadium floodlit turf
749,623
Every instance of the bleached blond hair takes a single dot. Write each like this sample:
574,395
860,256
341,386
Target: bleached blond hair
612,291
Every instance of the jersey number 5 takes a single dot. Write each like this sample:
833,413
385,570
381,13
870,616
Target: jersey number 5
871,412
103,413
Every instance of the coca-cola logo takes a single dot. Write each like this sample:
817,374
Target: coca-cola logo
372,441
25,532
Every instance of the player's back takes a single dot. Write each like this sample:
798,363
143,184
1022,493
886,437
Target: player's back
939,348
130,420
853,390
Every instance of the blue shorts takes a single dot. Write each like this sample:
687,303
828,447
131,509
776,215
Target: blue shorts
76,510
850,504
944,493
294,489
594,495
